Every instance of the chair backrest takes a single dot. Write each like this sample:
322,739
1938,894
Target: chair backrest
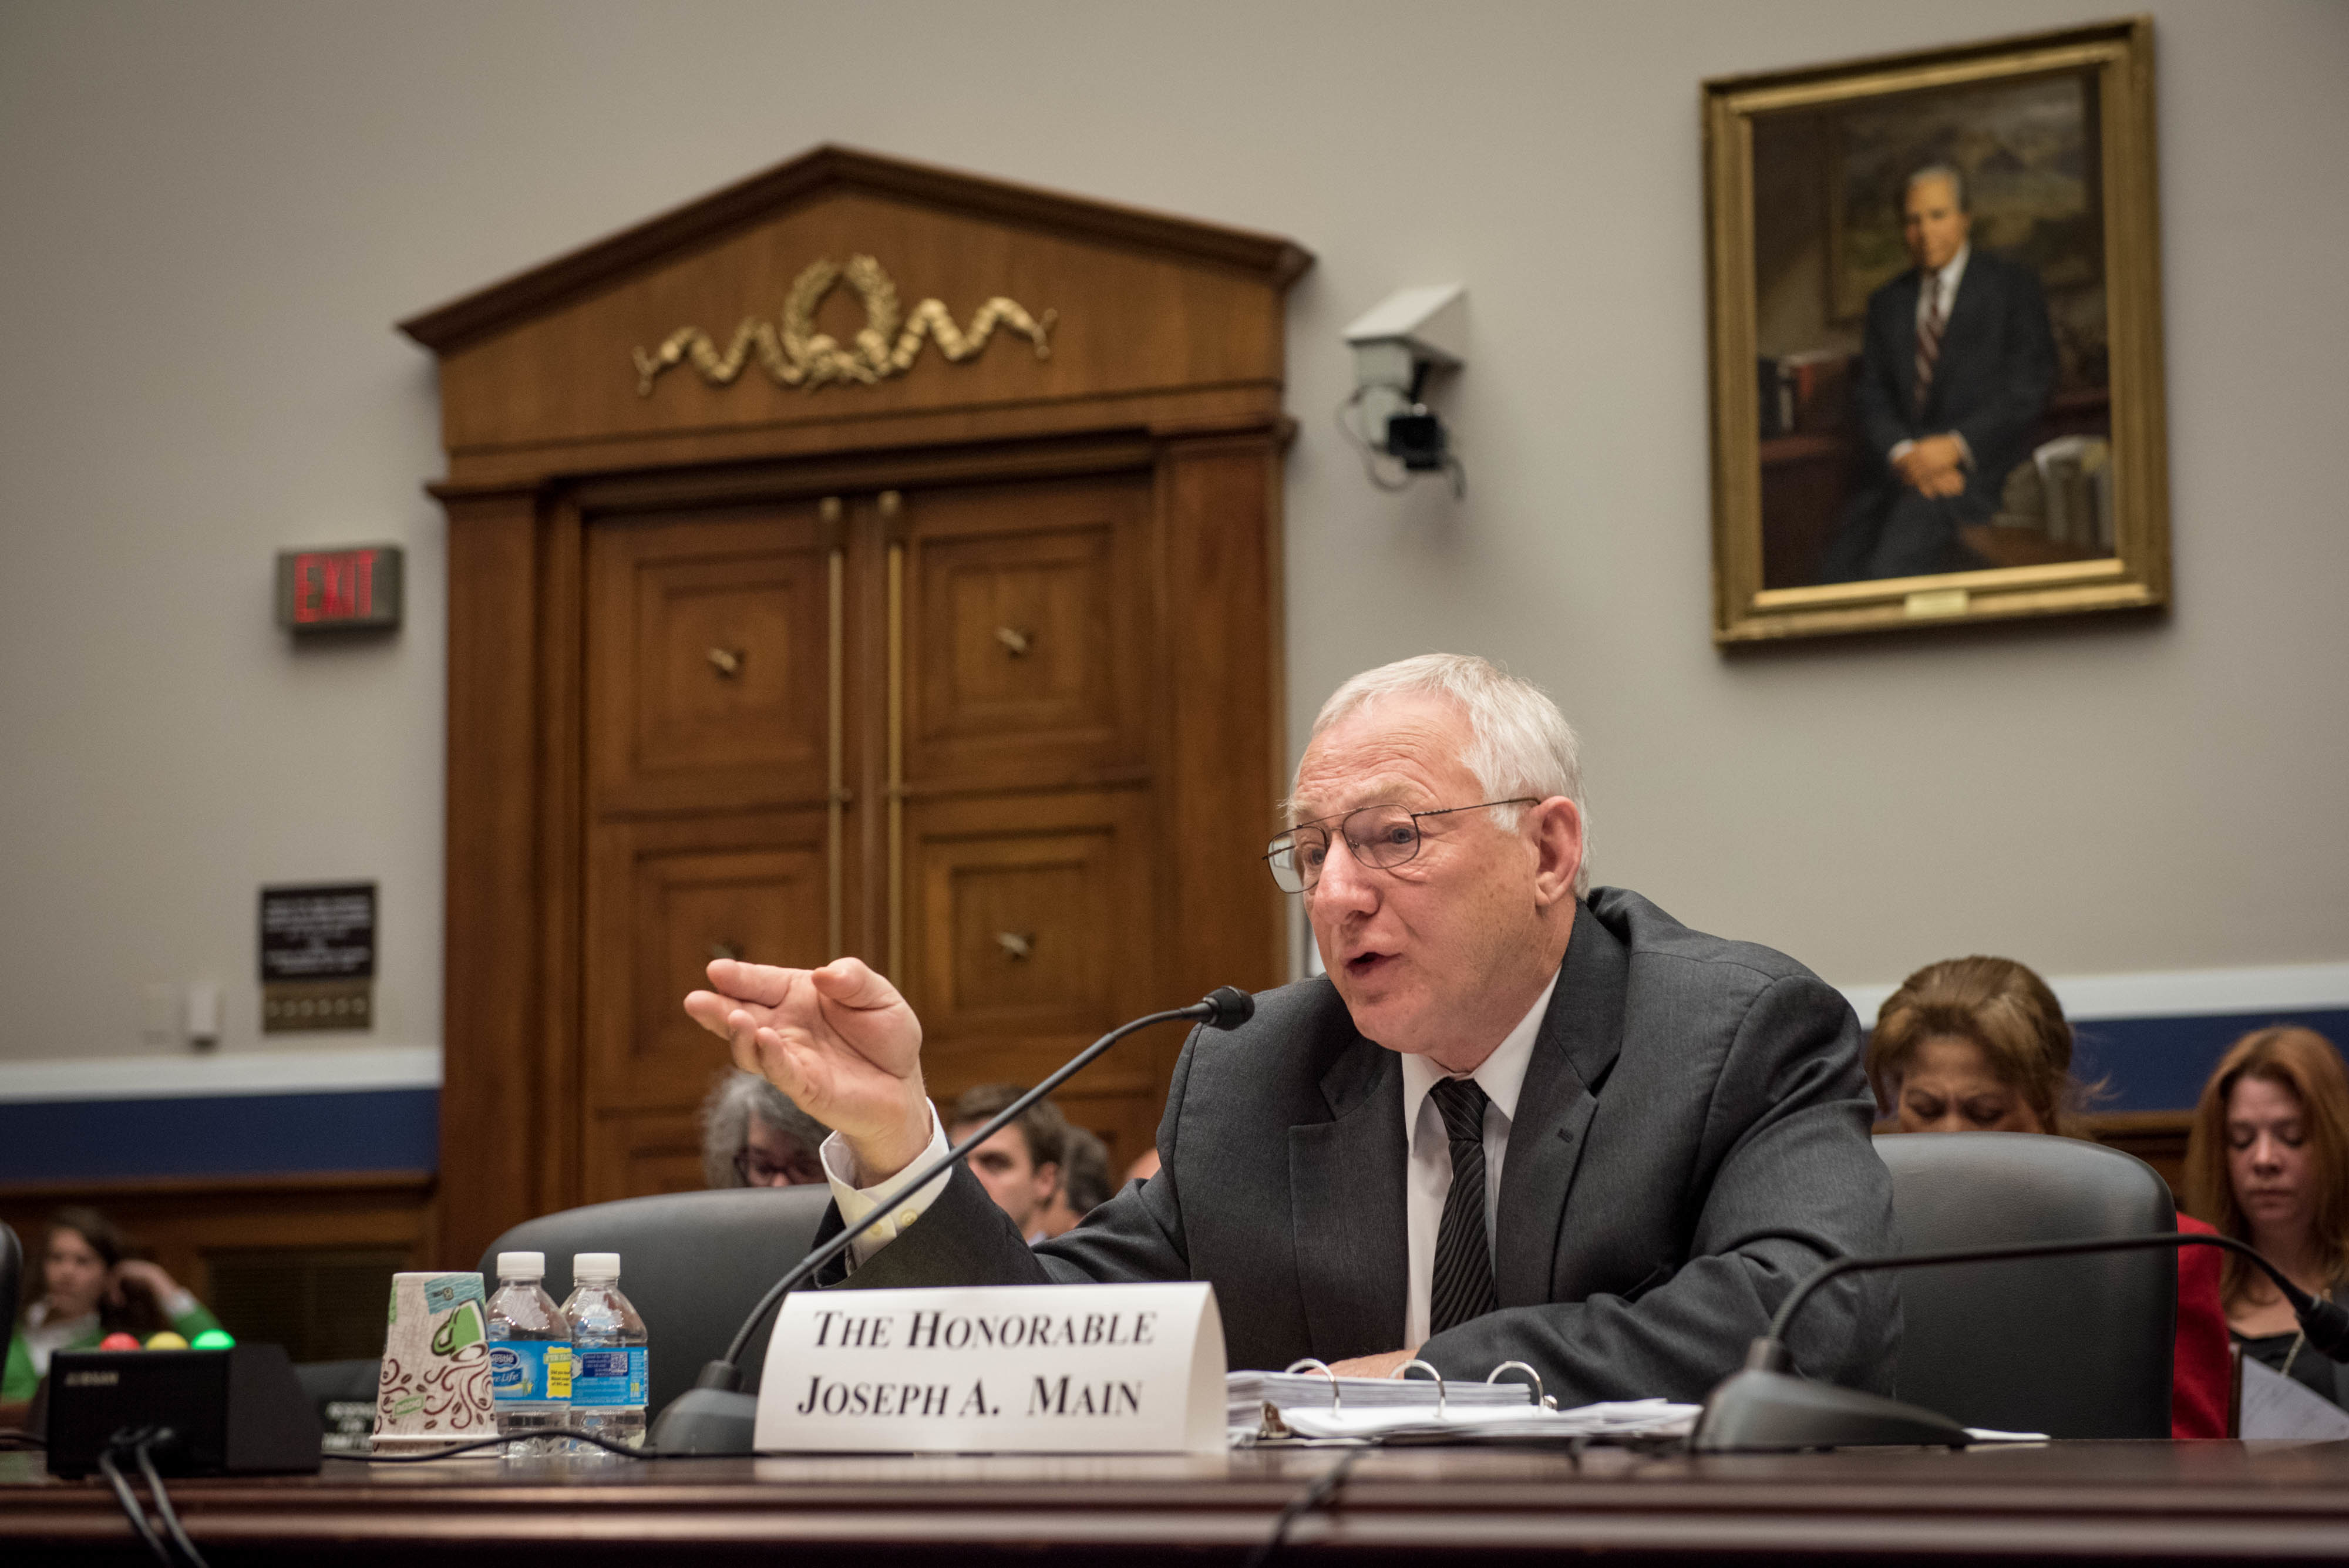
2075,1348
691,1262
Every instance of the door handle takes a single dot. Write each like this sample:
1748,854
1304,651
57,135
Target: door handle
1015,643
727,661
726,950
1014,945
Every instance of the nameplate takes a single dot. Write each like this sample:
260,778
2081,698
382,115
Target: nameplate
1035,1369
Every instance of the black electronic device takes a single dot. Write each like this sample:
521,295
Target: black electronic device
714,1416
1418,441
239,1411
1768,1407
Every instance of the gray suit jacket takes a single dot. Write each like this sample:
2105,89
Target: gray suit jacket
1690,1101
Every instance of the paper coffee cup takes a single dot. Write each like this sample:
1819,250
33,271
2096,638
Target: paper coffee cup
435,1385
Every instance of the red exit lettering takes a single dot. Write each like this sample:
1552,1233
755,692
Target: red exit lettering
330,586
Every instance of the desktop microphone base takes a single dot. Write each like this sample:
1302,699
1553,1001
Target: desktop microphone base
1762,1411
706,1421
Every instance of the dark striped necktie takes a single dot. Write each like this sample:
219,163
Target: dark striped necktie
1462,1285
1928,339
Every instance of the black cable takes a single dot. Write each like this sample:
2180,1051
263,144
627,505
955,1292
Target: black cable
606,1444
1323,1490
19,1435
170,1515
132,1509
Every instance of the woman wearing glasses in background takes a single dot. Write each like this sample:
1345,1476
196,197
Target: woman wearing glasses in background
1980,1044
2269,1163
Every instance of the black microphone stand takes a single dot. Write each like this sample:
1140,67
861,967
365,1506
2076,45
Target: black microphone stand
714,1416
1767,1406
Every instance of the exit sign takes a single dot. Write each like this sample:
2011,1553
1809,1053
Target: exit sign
356,587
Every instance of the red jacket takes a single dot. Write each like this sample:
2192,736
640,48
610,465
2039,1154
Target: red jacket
2200,1373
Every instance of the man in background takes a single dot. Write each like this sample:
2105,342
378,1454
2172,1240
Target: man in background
1021,1165
1084,1182
1955,369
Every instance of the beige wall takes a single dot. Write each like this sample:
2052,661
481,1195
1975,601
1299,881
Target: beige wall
214,213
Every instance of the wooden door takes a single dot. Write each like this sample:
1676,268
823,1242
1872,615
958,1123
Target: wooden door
1026,882
717,650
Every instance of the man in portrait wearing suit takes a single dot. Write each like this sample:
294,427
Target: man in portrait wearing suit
1955,368
1518,1119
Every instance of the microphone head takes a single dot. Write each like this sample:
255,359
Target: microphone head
2327,1327
1228,1007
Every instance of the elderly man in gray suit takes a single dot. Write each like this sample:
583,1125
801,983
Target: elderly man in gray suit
1518,1119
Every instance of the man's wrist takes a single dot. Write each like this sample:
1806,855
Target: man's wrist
879,1159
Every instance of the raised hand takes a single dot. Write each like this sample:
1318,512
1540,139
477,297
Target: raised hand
838,1041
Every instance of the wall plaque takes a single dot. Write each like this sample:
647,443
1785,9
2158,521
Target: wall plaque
318,957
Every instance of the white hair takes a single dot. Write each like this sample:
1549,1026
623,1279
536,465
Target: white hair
1949,171
1519,744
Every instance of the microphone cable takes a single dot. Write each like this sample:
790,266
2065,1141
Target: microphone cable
140,1443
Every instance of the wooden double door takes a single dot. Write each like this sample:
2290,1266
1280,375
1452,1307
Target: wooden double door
916,725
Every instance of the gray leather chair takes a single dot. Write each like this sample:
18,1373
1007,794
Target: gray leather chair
691,1262
2075,1348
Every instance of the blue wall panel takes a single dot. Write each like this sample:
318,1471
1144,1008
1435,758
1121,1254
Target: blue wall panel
226,1135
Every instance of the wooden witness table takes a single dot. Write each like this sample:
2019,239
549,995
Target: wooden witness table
2069,1501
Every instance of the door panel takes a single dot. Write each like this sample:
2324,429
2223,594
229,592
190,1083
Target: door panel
709,662
664,899
1027,629
1031,934
641,1152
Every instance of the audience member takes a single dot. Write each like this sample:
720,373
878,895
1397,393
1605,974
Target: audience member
752,1135
2268,1163
1020,1164
1980,1044
84,1287
1084,1182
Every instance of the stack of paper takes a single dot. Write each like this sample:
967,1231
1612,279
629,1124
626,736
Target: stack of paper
1621,1419
1245,1394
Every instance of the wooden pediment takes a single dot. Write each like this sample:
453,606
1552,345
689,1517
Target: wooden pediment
845,300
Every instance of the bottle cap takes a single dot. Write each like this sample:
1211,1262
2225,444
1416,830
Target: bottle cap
594,1266
522,1266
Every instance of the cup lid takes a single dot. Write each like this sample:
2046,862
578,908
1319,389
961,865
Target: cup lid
522,1266
594,1266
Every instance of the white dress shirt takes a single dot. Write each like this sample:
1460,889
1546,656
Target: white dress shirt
1427,1173
855,1203
1944,289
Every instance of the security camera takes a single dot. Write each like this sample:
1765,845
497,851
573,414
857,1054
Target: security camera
1396,343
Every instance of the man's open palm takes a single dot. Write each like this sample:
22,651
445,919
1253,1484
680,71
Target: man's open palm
838,1040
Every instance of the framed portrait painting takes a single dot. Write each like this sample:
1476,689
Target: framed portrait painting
1935,306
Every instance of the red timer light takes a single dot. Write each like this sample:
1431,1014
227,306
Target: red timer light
340,589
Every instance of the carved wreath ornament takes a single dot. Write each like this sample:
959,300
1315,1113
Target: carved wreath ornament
796,355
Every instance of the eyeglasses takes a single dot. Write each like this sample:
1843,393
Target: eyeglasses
1382,837
755,1171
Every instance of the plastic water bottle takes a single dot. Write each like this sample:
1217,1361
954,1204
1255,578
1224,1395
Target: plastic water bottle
608,1351
529,1358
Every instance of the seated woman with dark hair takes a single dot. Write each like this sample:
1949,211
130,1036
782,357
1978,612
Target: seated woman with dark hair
84,1287
2269,1162
752,1135
1980,1044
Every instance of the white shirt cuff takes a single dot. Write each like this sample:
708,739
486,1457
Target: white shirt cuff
181,1305
855,1203
1900,449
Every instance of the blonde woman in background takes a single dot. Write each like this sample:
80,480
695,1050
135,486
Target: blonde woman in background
1980,1044
2268,1163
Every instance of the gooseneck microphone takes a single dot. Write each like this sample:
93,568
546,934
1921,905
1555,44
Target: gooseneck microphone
714,1416
1767,1406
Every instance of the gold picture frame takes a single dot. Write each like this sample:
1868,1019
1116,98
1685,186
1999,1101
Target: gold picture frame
1814,314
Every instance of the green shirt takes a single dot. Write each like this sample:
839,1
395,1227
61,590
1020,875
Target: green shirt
21,1380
